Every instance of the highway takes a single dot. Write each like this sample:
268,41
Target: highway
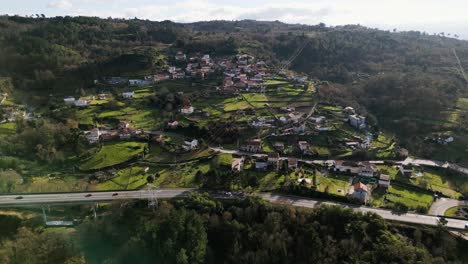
60,198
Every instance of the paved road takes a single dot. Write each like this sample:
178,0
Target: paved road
421,162
443,204
30,199
7,200
386,214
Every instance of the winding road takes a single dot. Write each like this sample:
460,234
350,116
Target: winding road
291,200
443,204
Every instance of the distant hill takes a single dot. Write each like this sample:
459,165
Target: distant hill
397,78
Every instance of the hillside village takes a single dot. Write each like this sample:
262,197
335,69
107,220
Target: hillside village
268,127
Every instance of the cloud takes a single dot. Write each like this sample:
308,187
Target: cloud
60,4
288,14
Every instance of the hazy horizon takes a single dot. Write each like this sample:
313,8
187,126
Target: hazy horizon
429,16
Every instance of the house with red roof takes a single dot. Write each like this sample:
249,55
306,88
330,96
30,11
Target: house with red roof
361,192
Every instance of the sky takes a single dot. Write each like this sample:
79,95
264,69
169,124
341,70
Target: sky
432,16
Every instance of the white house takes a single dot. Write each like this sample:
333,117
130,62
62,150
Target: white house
299,127
345,166
171,69
180,56
357,121
317,119
136,82
384,181
237,164
93,136
189,145
349,110
445,140
303,146
406,170
69,100
128,95
81,102
322,128
188,109
367,169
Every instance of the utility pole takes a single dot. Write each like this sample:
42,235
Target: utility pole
152,200
44,215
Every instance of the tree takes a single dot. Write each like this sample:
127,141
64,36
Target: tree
31,247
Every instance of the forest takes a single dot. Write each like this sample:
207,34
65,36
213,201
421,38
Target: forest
199,229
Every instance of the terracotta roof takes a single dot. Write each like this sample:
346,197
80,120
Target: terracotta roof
360,185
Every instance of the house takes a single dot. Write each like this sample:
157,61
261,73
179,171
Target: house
69,100
81,102
160,77
318,119
125,134
367,169
303,146
261,162
254,146
128,95
116,80
349,110
109,135
345,167
295,116
444,140
136,82
384,180
361,192
173,124
406,170
292,163
288,109
124,125
189,145
188,109
274,160
279,146
171,69
180,56
93,136
357,121
102,96
178,75
237,164
322,128
299,127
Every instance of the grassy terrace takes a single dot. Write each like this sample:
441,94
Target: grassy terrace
112,154
7,129
126,179
411,198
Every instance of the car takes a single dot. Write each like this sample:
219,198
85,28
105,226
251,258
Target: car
115,194
88,195
19,197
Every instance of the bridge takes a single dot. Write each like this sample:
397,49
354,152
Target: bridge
290,200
